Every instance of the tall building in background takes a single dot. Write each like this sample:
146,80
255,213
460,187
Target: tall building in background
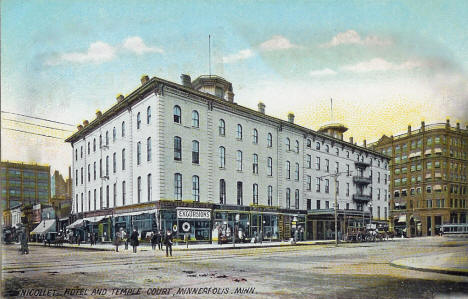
61,197
428,177
187,158
23,185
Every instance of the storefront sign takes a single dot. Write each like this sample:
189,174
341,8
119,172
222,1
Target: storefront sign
193,214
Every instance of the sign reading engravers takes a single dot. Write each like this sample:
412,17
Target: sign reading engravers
193,213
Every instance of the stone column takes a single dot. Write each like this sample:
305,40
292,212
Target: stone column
314,229
432,225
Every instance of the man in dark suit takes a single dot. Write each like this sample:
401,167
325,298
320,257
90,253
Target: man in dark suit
168,242
134,240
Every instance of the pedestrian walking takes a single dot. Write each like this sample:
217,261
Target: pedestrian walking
153,241
24,242
125,237
78,239
117,241
168,242
93,239
134,240
159,240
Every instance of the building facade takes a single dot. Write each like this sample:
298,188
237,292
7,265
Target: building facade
23,185
428,185
186,157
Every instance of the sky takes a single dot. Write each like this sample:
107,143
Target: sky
385,64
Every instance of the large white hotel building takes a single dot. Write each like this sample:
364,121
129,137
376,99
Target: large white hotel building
186,157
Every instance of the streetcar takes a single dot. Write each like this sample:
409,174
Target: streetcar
455,229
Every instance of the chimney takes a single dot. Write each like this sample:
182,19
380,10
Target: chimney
144,79
261,107
423,126
230,96
119,98
458,126
79,127
447,123
186,80
351,140
364,143
85,123
291,117
98,113
409,129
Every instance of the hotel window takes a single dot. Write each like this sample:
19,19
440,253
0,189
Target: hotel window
123,129
347,170
288,144
288,198
317,184
378,177
138,153
288,170
327,165
347,154
222,192
297,146
107,138
222,156
114,162
269,140
378,194
255,194
327,204
115,195
123,193
317,145
195,188
107,195
239,194
100,141
177,114
317,163
195,152
195,119
100,168
429,165
107,166
81,152
255,164
239,160
177,186
239,131
222,127
149,187
296,172
177,148
114,134
428,189
270,166
270,195
94,144
309,161
94,170
309,143
138,120
429,141
327,148
337,151
347,189
139,189
148,115
318,204
89,147
327,186
100,197
309,182
255,136
123,159
296,199
337,187
337,167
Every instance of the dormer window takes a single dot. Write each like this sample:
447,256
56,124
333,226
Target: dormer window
219,92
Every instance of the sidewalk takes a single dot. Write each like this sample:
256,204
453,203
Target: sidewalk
191,247
448,263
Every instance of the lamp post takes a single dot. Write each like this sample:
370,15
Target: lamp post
236,220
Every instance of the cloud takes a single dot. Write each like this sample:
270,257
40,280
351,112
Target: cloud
241,55
381,65
277,42
99,52
352,37
137,45
322,72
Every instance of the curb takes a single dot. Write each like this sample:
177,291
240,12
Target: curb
69,247
435,270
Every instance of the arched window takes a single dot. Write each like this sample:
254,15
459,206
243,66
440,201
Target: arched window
270,166
177,186
288,169
195,119
89,147
114,134
270,195
177,148
222,157
297,146
309,143
94,144
195,188
123,129
138,153
148,115
296,171
149,187
239,131
288,144
255,164
107,138
317,145
269,140
255,194
239,160
139,189
148,149
296,199
177,114
195,152
222,191
255,136
288,198
327,148
222,127
123,159
138,120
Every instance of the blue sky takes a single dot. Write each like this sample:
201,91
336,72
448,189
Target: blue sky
385,63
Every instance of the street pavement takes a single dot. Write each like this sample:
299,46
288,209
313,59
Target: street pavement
354,270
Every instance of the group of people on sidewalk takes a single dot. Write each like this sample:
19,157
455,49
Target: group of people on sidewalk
157,239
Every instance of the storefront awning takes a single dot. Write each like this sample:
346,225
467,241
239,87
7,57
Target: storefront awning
94,219
402,218
428,152
45,226
75,224
135,213
437,150
437,187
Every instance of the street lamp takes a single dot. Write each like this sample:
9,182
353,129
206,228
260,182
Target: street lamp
234,230
370,210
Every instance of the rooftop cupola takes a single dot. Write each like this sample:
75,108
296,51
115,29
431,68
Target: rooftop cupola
214,85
